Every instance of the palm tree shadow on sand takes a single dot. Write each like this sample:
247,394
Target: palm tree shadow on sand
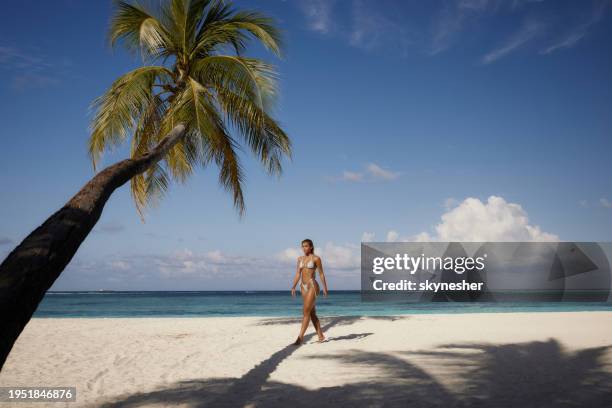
533,374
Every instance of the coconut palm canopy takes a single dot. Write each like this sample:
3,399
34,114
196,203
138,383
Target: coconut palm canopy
195,73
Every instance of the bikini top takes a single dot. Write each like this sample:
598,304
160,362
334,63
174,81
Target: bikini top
310,264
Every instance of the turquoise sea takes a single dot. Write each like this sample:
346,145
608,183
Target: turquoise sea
272,303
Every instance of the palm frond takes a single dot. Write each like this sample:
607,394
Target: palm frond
204,82
139,30
261,27
228,27
174,15
213,141
230,72
147,133
149,187
266,78
120,109
231,174
261,133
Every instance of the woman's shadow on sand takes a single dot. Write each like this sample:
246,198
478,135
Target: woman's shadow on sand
533,374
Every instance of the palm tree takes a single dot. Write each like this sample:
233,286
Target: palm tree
194,100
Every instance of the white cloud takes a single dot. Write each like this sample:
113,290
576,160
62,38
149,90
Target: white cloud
367,237
379,173
452,20
423,237
450,202
392,236
342,257
372,29
526,33
473,4
567,42
352,176
493,220
468,220
208,265
474,220
318,13
216,256
605,203
183,254
580,31
30,69
372,172
335,256
182,270
448,24
288,255
119,265
369,27
459,15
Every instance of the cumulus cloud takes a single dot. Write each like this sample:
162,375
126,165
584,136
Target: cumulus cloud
450,202
211,264
367,237
493,220
289,255
469,220
392,236
342,257
184,269
339,257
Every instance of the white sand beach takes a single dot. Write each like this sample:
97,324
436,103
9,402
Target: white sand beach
497,360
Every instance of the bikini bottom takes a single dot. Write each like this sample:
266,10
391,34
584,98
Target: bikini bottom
305,286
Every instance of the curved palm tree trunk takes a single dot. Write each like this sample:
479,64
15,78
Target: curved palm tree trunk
32,267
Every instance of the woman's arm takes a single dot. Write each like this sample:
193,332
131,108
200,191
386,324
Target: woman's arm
322,275
297,277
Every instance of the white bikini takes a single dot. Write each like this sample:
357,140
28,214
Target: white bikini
310,264
305,286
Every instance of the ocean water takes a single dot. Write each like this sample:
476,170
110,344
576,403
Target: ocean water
273,303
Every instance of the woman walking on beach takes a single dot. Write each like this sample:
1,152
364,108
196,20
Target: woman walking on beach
307,267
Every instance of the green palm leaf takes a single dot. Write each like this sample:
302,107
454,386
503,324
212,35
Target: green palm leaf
121,108
222,96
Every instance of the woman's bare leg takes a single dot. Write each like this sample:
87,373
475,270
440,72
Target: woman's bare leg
309,299
316,323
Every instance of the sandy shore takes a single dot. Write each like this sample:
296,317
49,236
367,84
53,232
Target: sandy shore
497,360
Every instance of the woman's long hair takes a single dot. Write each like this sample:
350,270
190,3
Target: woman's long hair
309,242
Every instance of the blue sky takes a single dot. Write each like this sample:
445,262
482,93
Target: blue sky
465,119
